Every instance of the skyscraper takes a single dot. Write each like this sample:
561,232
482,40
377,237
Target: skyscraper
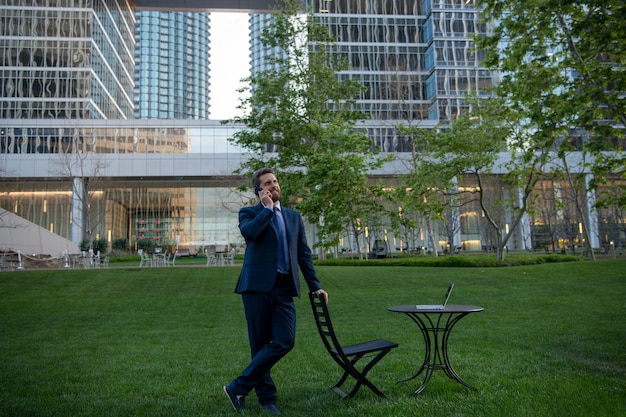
172,65
66,60
415,58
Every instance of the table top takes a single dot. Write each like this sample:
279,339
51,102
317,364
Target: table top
450,308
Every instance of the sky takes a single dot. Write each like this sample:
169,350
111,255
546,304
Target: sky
229,62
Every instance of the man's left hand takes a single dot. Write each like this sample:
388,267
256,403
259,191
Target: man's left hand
322,294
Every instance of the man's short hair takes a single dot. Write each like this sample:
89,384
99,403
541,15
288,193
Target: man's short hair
256,177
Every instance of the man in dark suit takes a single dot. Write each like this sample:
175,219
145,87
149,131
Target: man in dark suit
276,247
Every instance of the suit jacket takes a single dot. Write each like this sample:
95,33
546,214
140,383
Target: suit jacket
260,262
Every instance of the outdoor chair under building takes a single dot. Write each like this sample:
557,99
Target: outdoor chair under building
230,258
169,260
348,356
211,259
146,260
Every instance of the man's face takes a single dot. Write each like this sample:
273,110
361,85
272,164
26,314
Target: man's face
270,183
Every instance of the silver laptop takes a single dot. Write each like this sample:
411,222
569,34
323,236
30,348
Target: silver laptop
437,306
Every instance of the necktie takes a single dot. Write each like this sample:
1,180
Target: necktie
283,251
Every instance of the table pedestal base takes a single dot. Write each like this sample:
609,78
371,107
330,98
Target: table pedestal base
436,332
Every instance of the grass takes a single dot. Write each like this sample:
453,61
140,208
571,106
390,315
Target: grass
163,341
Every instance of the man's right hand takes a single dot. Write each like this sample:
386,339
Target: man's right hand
266,198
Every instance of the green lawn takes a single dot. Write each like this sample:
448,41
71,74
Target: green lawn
162,342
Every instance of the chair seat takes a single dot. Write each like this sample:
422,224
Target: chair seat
366,347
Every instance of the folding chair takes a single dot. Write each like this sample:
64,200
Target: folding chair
348,356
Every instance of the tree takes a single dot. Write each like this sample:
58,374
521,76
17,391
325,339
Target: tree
400,86
300,121
84,169
562,65
120,244
417,195
497,155
613,200
573,195
547,207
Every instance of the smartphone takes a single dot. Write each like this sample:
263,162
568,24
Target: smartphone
257,189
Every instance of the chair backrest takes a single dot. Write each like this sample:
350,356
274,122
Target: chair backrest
325,325
210,258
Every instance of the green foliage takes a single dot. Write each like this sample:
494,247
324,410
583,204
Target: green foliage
101,245
127,260
298,106
469,150
563,74
301,120
98,245
120,244
84,245
473,261
546,44
147,245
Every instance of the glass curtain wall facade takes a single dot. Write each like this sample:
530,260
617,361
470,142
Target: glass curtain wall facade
66,59
258,51
415,58
172,65
151,213
166,186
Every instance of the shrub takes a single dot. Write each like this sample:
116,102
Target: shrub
453,261
98,245
119,245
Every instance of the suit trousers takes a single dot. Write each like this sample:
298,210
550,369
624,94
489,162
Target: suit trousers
271,321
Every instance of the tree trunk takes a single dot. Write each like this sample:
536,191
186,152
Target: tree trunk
431,236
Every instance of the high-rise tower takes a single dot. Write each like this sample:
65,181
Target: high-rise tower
66,60
415,58
172,65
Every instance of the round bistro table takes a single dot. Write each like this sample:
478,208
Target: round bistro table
436,326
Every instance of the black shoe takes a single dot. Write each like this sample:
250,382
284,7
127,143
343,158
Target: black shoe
271,408
237,401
